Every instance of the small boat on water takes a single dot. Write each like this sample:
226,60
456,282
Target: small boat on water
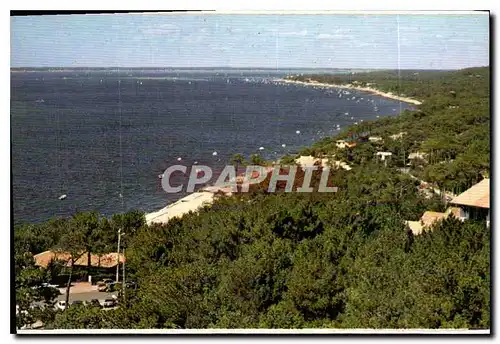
39,101
62,197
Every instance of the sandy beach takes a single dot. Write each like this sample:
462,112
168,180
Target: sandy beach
183,206
353,87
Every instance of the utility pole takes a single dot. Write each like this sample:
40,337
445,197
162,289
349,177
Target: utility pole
123,276
118,256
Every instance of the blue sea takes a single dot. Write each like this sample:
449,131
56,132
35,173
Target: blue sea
102,137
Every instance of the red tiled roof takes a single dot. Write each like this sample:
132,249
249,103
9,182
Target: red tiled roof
108,260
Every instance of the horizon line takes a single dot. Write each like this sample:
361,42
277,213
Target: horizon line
224,67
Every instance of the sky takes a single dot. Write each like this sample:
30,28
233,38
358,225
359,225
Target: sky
387,41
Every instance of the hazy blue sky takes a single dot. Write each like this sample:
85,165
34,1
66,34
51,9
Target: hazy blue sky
323,41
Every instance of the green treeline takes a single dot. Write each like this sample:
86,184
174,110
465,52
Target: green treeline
291,260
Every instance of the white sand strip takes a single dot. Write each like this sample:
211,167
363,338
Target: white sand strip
352,87
183,206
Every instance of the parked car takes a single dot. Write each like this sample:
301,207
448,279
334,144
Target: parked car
109,302
103,285
48,285
44,285
61,305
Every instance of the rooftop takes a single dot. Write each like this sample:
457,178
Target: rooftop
430,217
477,196
397,136
417,155
415,226
107,260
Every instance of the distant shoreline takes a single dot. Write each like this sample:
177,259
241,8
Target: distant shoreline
357,88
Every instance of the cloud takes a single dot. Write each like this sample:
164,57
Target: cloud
160,30
294,33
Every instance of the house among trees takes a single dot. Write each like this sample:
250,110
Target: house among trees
417,158
383,156
340,144
417,155
108,260
431,217
475,202
99,264
345,144
398,136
